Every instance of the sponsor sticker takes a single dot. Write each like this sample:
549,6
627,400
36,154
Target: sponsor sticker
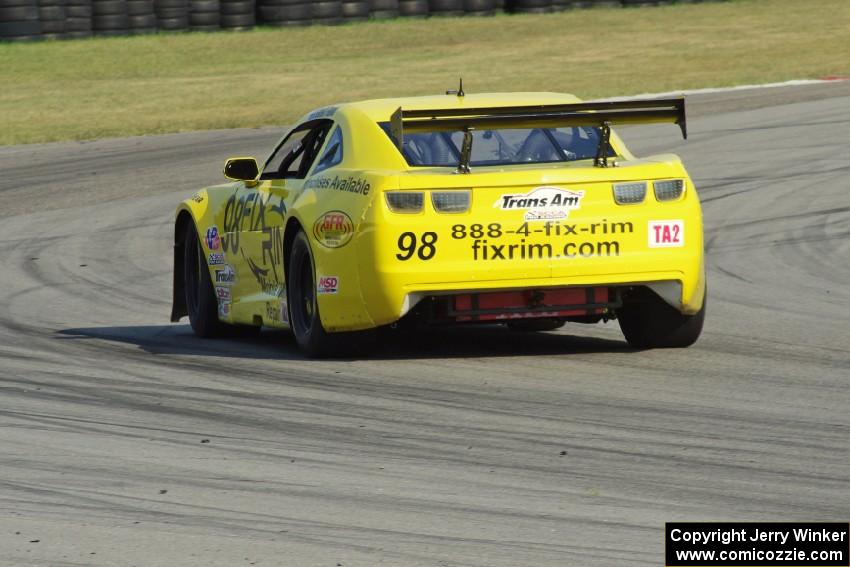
328,284
226,275
325,112
222,293
213,240
284,311
666,234
215,259
272,312
346,184
542,203
333,229
224,309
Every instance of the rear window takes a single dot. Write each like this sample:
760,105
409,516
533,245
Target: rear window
504,146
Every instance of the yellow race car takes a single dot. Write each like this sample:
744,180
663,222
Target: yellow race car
524,209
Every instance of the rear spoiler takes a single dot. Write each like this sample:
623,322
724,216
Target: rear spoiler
602,115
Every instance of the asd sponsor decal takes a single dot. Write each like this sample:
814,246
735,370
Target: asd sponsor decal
215,259
226,275
213,240
222,293
666,234
328,284
542,203
333,229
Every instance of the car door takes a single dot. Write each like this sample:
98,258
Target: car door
262,231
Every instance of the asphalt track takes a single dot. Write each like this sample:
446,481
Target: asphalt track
124,440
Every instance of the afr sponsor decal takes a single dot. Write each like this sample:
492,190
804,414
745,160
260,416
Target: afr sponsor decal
213,240
333,229
328,284
542,203
215,259
666,234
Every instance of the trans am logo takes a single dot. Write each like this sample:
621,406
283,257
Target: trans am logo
213,240
542,203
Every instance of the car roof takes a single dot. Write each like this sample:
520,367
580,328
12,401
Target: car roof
381,109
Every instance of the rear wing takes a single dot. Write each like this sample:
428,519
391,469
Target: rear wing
602,115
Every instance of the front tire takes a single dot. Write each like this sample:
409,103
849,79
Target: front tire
201,302
647,321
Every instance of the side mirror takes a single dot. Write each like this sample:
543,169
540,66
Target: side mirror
241,169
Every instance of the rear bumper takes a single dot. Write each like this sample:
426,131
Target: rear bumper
683,290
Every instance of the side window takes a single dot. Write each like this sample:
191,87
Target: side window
333,154
290,150
312,144
297,152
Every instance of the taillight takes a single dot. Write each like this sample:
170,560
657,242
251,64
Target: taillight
630,193
668,190
405,201
450,201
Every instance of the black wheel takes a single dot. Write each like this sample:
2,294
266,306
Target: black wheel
475,6
647,321
80,27
111,22
204,6
142,24
140,7
20,30
240,21
78,12
173,24
201,302
322,9
107,7
204,19
18,13
236,8
304,318
355,10
301,297
408,8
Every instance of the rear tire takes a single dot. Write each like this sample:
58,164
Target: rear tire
647,321
304,317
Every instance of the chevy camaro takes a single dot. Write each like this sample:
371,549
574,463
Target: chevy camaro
523,209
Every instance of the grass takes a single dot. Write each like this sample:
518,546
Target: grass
106,87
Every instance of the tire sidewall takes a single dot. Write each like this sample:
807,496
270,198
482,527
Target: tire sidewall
307,328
